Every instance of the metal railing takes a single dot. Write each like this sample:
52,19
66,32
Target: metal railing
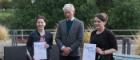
126,57
53,30
126,40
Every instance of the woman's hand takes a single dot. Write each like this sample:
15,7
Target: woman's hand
100,51
46,45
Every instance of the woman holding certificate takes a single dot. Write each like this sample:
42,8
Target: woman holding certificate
104,39
39,40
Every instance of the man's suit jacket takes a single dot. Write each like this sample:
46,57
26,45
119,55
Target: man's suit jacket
73,40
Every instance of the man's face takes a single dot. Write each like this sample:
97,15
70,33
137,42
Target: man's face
69,13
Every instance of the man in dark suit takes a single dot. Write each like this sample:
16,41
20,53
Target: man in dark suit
69,35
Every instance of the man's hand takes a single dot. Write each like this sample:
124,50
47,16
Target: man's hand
66,51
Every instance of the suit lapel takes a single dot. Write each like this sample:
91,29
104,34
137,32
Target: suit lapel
46,36
64,27
72,29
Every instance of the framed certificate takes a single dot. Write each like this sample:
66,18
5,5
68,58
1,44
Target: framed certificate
89,51
40,52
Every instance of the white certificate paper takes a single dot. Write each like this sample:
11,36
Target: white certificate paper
40,52
89,51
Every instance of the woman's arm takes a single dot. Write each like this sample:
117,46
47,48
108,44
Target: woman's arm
109,51
29,45
105,52
51,40
112,43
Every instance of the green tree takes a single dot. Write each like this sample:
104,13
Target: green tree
124,14
104,5
4,4
25,11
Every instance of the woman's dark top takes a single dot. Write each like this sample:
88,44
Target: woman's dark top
105,40
35,37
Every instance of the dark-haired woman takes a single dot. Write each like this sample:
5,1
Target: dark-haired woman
40,35
104,39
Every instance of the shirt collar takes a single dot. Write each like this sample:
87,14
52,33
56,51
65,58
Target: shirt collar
72,18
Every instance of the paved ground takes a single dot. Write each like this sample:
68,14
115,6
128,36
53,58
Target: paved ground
54,52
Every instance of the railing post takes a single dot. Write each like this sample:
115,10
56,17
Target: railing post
126,46
123,46
14,33
21,34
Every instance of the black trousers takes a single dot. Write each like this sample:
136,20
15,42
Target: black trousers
69,57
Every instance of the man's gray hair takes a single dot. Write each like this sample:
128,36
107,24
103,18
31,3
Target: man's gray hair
68,7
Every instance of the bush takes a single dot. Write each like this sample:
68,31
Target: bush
4,35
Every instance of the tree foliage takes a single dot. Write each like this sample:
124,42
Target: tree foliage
123,14
26,11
